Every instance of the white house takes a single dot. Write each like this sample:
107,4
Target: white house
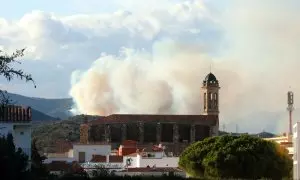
16,120
65,156
296,143
85,152
156,159
284,141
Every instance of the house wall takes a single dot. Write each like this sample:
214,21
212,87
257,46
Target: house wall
51,159
70,153
115,166
158,162
134,161
284,140
6,128
90,150
181,174
21,133
154,154
138,161
22,137
296,158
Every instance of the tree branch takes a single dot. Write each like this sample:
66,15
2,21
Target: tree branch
9,73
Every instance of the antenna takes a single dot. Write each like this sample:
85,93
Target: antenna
290,108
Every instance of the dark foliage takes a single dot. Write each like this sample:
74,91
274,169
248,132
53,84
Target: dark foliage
14,163
235,157
38,169
48,134
9,73
78,177
75,176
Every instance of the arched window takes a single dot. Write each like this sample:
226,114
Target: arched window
204,101
210,100
216,100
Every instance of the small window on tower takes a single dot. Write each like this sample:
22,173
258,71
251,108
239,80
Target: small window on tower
204,100
210,101
215,100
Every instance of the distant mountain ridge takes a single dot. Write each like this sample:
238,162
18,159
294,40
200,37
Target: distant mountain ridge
45,109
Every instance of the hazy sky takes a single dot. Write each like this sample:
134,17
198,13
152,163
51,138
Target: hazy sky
132,56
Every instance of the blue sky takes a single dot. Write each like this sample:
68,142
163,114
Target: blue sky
15,9
119,55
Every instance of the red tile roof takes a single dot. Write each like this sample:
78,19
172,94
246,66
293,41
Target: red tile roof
132,155
98,158
152,149
129,143
17,114
92,143
124,118
115,159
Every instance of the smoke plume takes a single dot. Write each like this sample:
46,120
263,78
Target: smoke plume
255,71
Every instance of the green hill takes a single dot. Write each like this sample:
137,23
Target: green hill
39,117
56,108
47,134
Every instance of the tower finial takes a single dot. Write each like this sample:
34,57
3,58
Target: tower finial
210,68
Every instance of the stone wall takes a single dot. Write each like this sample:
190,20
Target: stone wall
150,132
84,133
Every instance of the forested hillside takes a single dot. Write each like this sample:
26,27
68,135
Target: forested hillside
56,108
47,134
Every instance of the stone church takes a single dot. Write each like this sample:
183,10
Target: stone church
175,132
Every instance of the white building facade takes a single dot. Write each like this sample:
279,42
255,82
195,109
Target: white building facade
85,152
138,160
296,143
16,120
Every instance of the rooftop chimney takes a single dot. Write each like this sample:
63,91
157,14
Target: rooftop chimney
84,132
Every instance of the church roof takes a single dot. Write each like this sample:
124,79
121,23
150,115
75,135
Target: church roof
210,79
153,118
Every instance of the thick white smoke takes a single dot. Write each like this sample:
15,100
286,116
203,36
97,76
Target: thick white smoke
166,81
258,64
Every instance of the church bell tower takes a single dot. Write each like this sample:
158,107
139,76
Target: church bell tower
210,93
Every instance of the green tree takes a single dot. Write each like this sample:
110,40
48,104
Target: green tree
8,71
38,169
14,163
236,157
101,172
